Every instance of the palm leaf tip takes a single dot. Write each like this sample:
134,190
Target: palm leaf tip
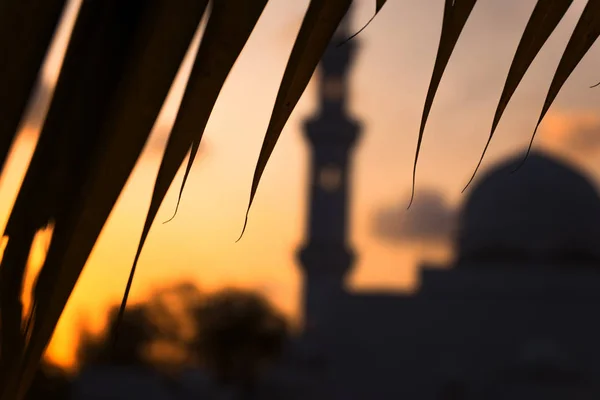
456,14
544,19
318,27
243,227
228,29
125,126
584,36
379,4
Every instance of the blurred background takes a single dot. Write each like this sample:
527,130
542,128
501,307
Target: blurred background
388,83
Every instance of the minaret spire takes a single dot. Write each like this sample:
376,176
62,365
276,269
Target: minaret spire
326,257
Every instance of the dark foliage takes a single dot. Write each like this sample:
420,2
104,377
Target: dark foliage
239,335
135,332
233,334
49,383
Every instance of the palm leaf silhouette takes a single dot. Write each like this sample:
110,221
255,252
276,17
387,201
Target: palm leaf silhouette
544,19
31,22
320,23
230,24
86,158
121,60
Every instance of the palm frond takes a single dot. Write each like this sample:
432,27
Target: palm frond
164,33
102,129
378,6
543,21
320,23
456,14
22,21
584,35
228,29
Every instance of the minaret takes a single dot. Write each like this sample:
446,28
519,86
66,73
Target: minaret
326,257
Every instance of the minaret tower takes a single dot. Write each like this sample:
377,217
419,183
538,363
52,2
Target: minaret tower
326,258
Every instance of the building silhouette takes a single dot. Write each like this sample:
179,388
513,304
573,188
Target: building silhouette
510,319
513,318
326,257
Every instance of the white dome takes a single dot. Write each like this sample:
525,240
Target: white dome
545,212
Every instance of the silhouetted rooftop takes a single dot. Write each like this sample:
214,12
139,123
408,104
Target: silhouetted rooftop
545,212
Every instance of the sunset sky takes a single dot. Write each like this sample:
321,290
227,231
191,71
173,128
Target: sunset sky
389,83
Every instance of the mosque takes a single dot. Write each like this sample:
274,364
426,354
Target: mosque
511,319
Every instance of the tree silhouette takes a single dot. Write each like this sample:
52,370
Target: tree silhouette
234,335
166,319
135,332
239,335
49,383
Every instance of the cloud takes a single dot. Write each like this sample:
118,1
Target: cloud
572,131
429,219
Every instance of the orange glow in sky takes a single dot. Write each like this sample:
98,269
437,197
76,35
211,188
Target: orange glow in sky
389,84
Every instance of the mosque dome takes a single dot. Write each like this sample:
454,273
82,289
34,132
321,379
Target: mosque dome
545,213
